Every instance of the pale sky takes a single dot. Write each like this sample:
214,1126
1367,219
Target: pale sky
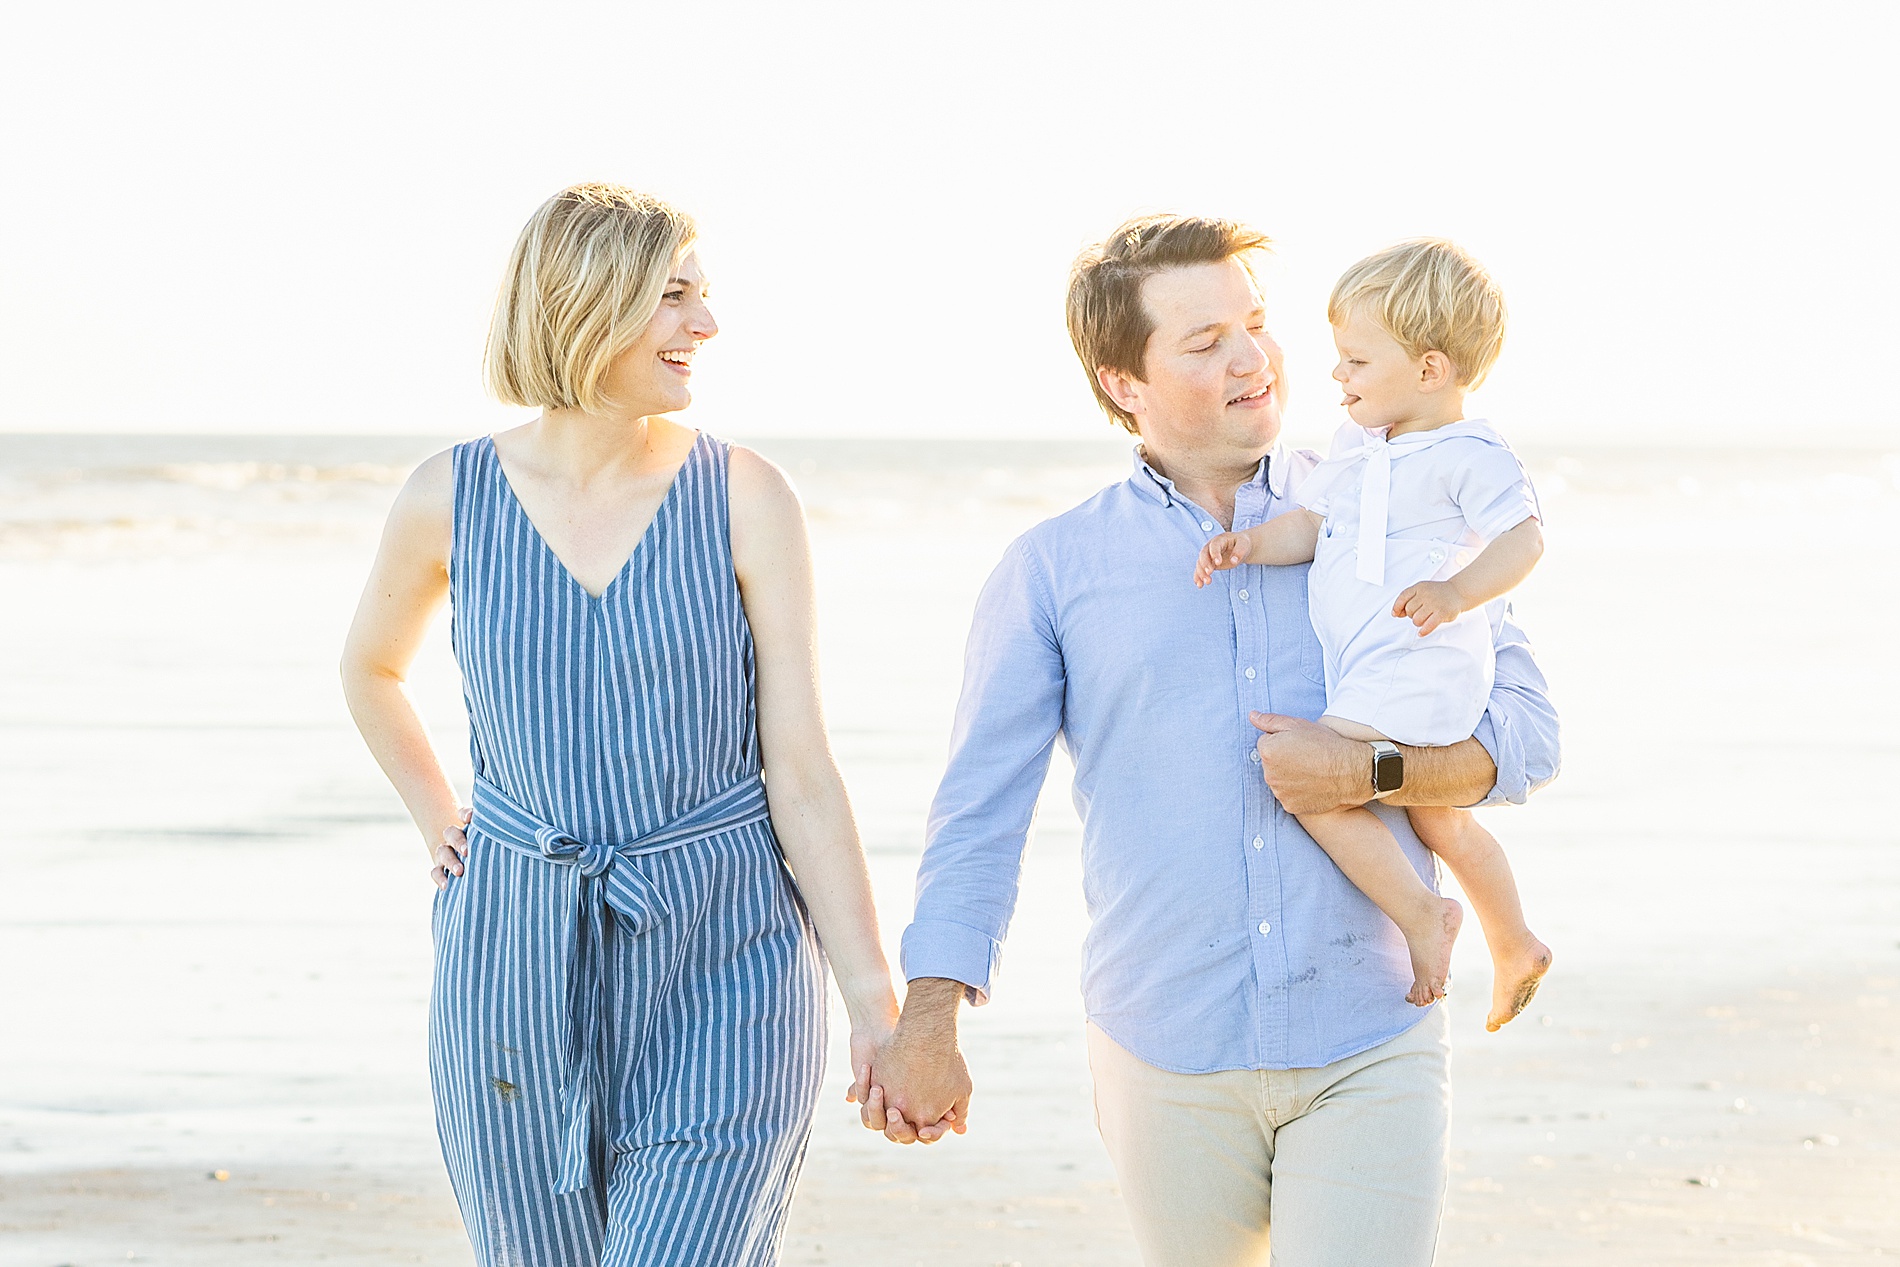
292,218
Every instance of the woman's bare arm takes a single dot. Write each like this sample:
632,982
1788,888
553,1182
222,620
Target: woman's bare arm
810,812
406,588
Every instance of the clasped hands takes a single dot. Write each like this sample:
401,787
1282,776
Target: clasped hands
912,1084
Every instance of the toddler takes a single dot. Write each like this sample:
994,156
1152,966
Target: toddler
1418,520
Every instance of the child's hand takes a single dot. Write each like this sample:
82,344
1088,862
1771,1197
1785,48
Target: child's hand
1430,604
1228,550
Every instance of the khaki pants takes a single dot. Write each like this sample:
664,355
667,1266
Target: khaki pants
1345,1164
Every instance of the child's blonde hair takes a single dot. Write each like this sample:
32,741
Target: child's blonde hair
586,276
1430,296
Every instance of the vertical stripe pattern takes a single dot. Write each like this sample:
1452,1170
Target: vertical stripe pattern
627,1024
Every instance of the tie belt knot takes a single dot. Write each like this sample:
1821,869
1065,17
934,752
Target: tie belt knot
592,857
639,906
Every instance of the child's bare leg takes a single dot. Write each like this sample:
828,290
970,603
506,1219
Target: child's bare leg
1473,854
1371,858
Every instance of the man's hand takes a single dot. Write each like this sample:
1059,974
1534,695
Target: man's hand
919,1087
1227,550
1430,604
1311,768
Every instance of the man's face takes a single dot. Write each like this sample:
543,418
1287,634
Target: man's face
1213,373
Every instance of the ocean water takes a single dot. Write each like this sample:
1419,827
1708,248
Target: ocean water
213,915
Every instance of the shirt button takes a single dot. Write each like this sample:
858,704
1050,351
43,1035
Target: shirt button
1250,673
1207,525
1254,756
1258,843
1265,928
1243,596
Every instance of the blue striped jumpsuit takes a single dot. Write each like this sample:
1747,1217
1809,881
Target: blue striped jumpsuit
627,1026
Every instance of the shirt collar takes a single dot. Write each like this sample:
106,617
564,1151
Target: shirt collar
1373,437
1276,465
1159,489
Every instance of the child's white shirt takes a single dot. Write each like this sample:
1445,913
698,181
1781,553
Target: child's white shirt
1446,494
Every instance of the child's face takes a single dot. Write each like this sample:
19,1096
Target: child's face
1382,381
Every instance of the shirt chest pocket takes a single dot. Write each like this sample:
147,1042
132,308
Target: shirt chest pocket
1290,627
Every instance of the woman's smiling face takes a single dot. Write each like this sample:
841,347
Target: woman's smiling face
653,375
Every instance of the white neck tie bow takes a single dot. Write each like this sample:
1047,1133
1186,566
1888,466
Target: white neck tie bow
1375,496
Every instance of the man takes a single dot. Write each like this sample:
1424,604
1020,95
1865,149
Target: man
1257,1067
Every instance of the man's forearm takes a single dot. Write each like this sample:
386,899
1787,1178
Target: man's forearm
930,1011
1313,769
1460,774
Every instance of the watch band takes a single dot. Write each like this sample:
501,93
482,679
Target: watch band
1388,767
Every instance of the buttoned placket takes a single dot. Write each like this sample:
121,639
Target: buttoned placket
1261,866
1252,502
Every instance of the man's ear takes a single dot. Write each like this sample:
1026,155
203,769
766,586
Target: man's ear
1123,390
1436,372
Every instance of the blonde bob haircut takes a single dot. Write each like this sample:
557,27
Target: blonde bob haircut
585,277
1431,297
1108,323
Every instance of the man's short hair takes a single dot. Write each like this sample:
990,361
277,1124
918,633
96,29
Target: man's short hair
1108,323
586,276
1430,296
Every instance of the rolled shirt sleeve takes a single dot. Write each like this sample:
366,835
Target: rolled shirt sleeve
1519,728
1006,724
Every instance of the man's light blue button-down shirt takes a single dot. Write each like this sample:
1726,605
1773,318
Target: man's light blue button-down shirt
1221,936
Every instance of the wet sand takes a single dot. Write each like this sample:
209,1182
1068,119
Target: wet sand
214,918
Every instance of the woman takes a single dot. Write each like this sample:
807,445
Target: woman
627,1026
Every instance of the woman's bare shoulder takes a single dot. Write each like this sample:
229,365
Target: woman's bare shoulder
760,487
766,520
424,511
432,482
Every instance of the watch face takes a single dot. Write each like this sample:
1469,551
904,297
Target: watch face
1387,771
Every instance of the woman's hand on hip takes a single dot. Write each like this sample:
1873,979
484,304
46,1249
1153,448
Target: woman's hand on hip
450,853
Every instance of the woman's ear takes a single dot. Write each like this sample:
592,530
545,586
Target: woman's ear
1436,372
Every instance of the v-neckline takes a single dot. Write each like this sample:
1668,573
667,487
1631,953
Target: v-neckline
541,538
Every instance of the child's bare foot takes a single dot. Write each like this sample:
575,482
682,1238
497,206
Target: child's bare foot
1430,942
1514,980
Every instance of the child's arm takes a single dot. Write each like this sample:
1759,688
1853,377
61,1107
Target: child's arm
1499,568
1288,538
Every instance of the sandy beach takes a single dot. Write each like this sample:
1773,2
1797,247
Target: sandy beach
213,914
